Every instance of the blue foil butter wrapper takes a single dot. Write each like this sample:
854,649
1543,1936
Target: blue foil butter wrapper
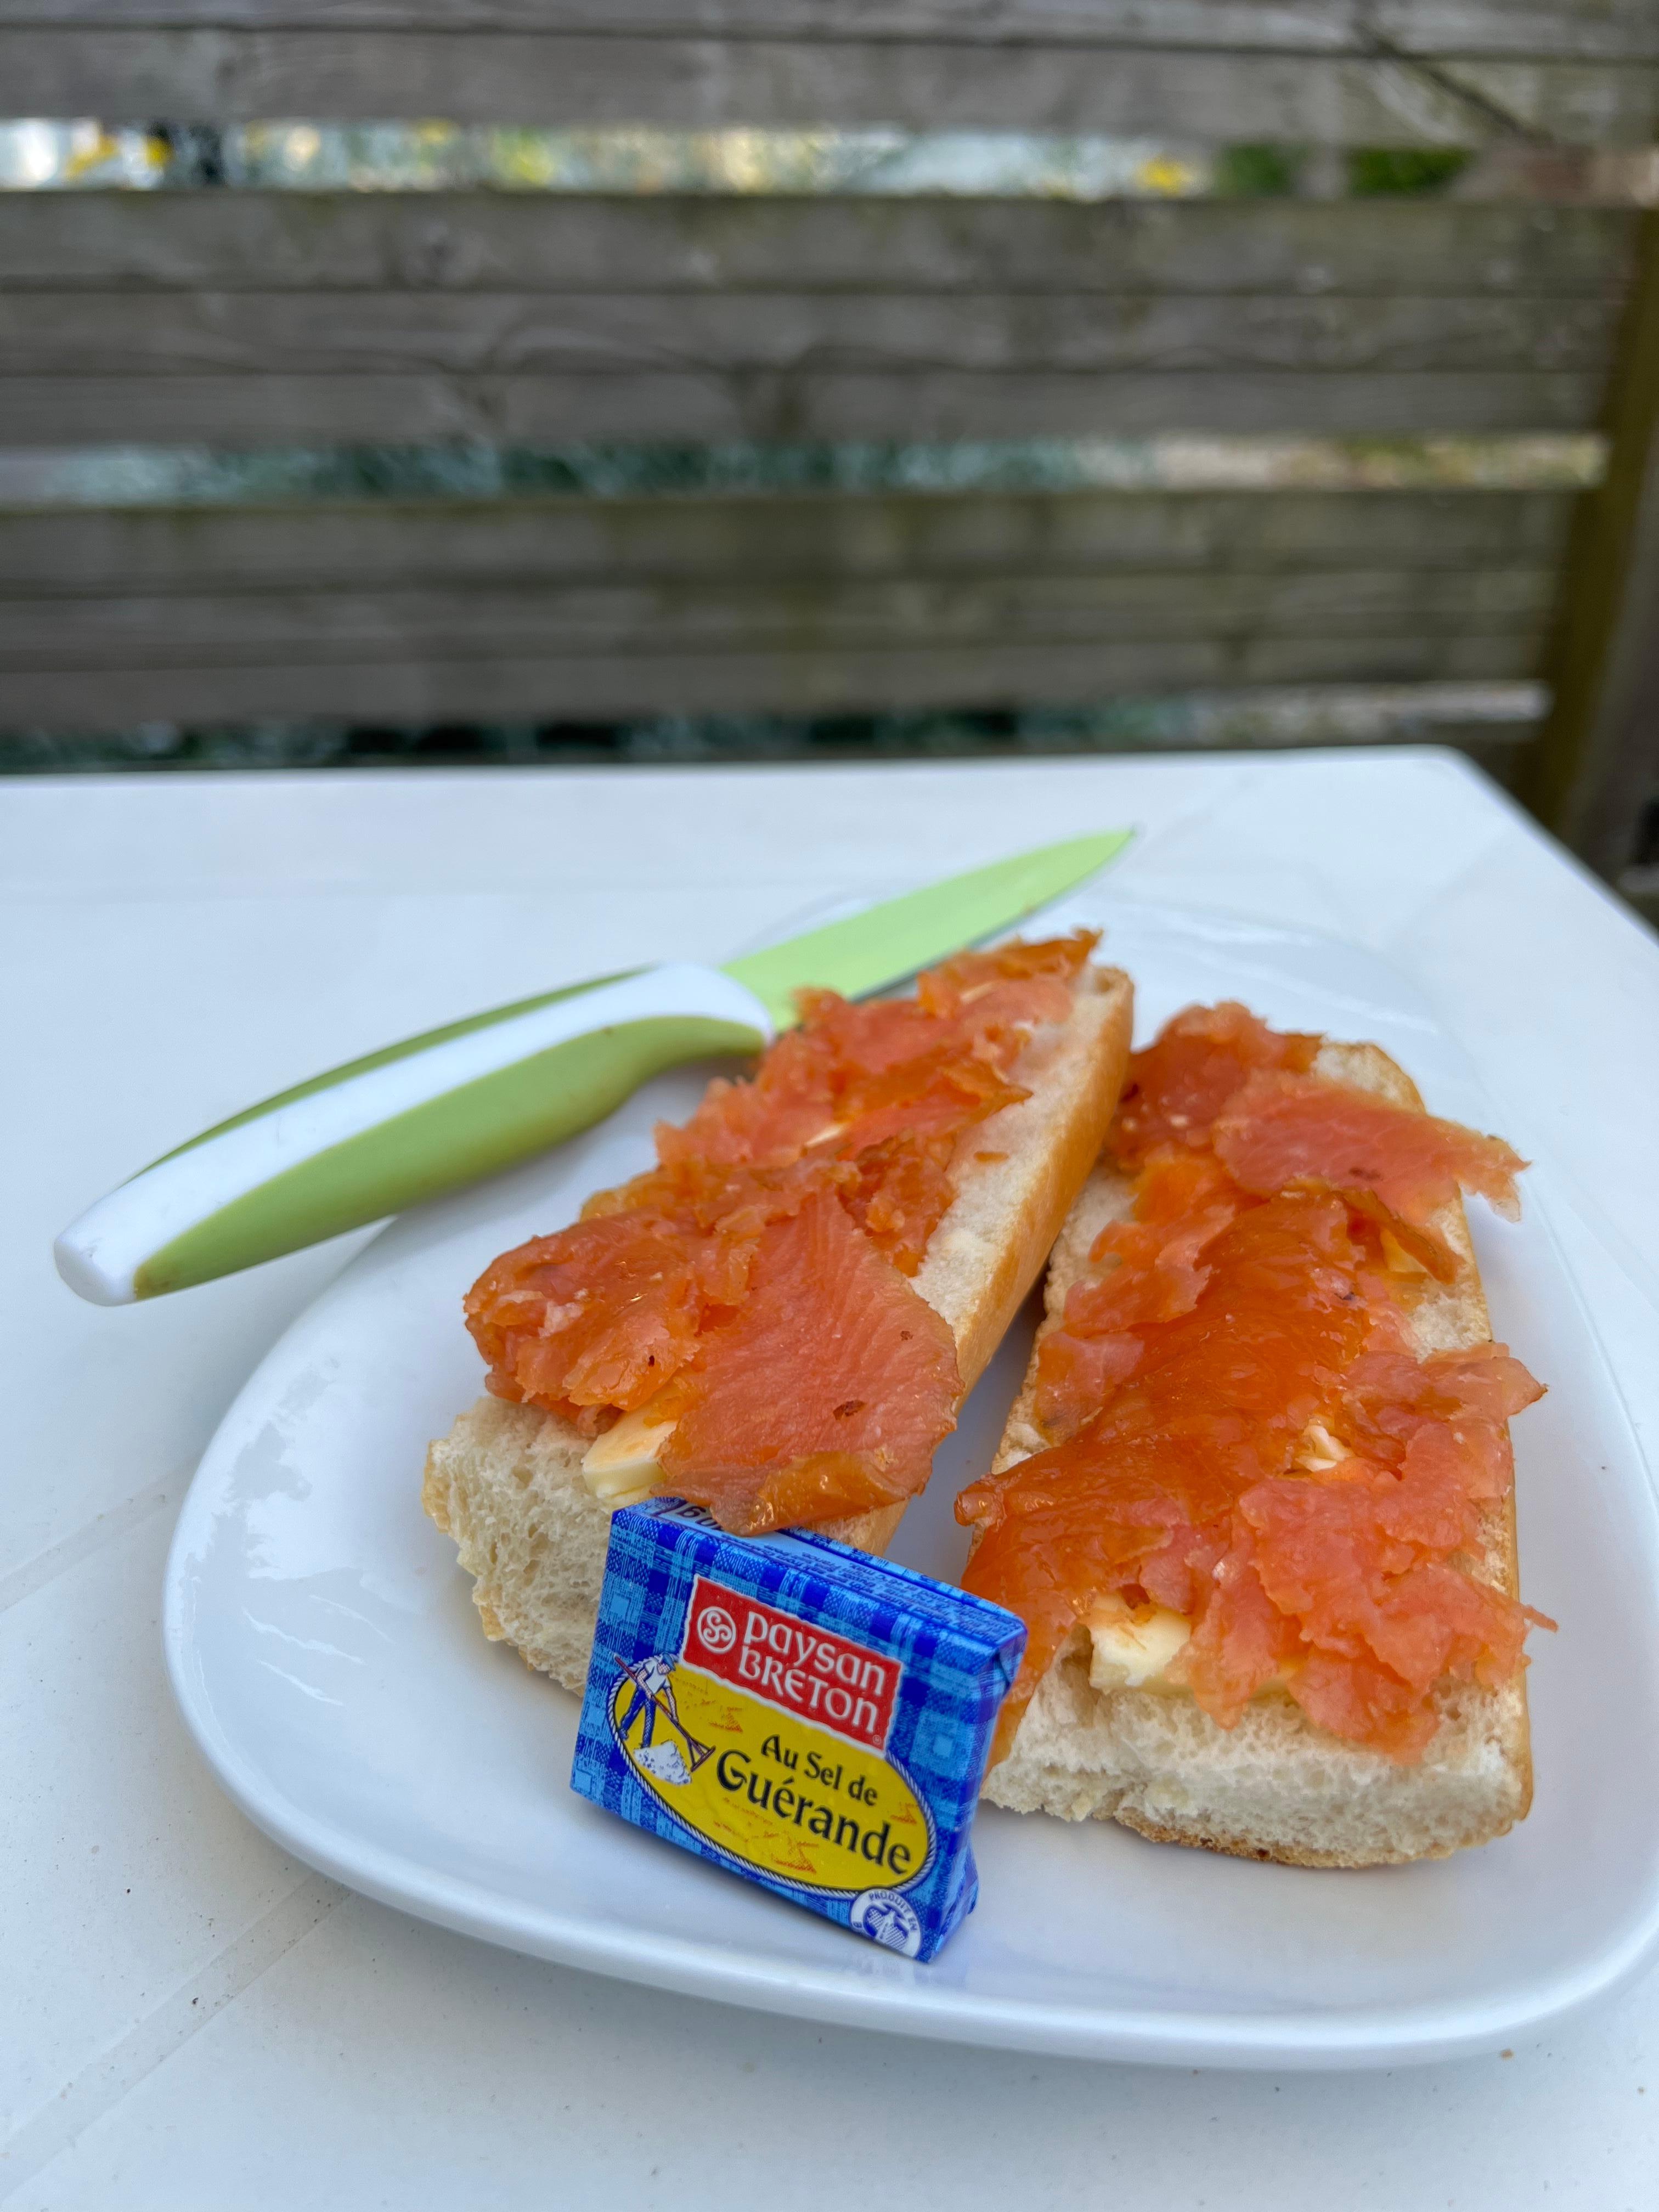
805,1716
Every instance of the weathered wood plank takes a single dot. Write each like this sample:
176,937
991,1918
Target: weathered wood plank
402,333
227,74
1603,29
1570,104
649,616
416,689
1615,30
527,541
1598,760
249,411
483,242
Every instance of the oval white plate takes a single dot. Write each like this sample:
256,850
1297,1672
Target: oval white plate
325,1654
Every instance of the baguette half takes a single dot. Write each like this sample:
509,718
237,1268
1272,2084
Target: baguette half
506,1482
1277,1786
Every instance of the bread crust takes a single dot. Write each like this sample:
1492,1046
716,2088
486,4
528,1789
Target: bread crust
506,1483
1277,1787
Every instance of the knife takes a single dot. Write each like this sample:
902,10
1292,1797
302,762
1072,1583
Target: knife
460,1102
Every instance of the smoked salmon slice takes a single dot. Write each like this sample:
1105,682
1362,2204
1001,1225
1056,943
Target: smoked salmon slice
827,1392
1186,1076
1279,1129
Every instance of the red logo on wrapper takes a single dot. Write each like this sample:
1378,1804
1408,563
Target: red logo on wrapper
801,1669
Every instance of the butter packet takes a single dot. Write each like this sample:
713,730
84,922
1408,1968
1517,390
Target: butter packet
803,1715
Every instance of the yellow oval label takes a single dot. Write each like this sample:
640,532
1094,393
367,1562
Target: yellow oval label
787,1799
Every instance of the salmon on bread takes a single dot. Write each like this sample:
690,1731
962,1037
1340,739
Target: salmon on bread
781,1318
1256,1499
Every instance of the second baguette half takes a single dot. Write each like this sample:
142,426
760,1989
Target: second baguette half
1277,1786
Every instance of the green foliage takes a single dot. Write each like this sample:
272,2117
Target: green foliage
1256,173
1404,171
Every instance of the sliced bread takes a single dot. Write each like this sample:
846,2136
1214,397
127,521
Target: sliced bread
1276,1786
506,1482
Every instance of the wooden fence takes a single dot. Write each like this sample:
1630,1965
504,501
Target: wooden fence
249,319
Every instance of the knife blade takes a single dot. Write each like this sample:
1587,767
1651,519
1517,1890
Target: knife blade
457,1103
869,951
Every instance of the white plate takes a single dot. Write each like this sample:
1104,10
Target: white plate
325,1654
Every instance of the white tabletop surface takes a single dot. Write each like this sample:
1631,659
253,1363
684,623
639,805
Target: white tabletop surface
190,2018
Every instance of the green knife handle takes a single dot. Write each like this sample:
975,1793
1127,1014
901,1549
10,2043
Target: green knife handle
404,1125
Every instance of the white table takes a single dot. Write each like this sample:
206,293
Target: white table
189,2017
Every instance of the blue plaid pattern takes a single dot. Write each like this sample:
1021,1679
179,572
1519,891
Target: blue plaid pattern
957,1653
